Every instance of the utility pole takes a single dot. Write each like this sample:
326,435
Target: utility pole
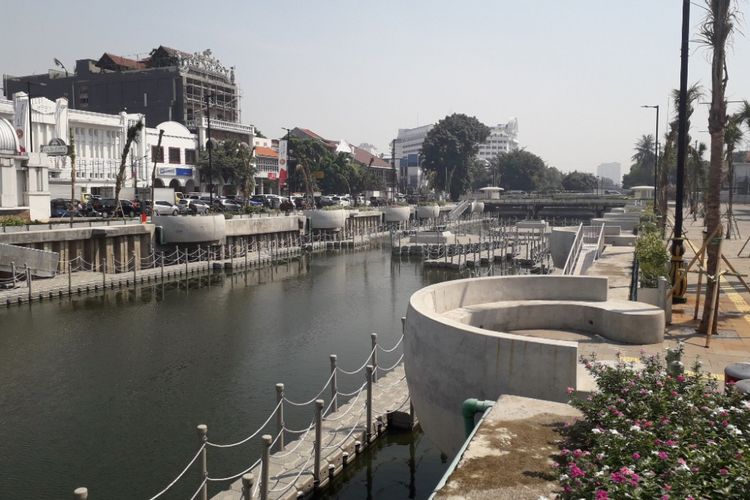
153,175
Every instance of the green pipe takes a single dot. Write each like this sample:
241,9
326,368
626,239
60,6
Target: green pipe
471,407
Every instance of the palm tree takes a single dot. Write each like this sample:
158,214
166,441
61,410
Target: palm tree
132,136
715,32
644,151
669,158
696,176
732,136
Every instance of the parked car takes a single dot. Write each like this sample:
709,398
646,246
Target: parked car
226,205
161,208
59,207
188,206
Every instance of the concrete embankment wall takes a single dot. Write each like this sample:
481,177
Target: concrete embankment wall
92,244
447,361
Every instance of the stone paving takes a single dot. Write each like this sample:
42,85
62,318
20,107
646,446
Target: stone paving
732,344
343,434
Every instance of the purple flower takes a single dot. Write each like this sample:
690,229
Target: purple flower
617,477
636,456
602,495
575,471
663,455
723,471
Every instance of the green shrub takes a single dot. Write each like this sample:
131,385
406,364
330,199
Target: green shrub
652,434
652,258
11,220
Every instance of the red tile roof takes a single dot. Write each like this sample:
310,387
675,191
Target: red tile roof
364,157
268,152
124,61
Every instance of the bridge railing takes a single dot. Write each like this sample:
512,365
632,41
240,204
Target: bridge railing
360,403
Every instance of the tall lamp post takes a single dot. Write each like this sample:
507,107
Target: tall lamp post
656,152
677,270
210,147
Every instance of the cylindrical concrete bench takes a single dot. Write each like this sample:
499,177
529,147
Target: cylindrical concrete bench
735,372
743,386
458,342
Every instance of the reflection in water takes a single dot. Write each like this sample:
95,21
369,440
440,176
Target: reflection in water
100,389
398,465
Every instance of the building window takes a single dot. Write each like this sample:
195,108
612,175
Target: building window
157,154
83,96
189,157
174,155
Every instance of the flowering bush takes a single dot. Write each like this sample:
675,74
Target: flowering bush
648,434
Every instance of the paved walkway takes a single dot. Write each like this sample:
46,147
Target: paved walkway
732,344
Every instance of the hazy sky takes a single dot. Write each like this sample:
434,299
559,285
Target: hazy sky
573,72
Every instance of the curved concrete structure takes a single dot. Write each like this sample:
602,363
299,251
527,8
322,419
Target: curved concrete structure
397,214
560,241
428,211
191,228
326,219
477,207
455,345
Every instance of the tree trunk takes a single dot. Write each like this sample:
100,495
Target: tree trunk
730,215
716,123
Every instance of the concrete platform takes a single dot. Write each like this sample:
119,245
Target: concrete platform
510,454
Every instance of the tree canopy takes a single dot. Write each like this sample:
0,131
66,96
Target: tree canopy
642,170
580,182
232,161
448,152
522,170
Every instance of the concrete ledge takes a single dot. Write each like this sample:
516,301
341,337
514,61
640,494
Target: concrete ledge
261,225
71,234
192,229
449,358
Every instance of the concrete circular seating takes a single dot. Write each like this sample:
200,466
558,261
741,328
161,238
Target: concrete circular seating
736,371
457,345
743,386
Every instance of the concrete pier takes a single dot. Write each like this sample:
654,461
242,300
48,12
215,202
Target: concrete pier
344,436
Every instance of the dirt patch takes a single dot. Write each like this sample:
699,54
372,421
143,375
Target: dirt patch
510,458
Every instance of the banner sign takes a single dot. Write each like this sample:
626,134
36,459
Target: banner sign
175,172
283,160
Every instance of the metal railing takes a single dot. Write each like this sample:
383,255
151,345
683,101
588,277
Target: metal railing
324,444
574,253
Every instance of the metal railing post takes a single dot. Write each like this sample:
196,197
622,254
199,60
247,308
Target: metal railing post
265,464
162,266
187,261
135,269
70,277
13,272
208,258
104,272
81,494
374,358
248,480
280,415
334,384
28,279
368,433
318,440
203,435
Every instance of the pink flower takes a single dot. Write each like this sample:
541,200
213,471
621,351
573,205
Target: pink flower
577,453
602,495
681,378
665,497
575,471
723,472
617,477
634,479
636,456
570,390
663,455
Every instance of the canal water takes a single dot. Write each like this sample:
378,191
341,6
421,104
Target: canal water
105,391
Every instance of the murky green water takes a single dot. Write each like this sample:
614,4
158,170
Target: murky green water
106,391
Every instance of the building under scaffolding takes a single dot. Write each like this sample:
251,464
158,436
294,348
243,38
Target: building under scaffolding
168,85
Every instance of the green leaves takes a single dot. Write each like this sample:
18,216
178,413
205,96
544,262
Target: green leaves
448,149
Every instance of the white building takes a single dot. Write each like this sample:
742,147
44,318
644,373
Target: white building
24,186
503,138
407,147
611,171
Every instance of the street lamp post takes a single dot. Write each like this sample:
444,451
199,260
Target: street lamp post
677,270
656,152
209,146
